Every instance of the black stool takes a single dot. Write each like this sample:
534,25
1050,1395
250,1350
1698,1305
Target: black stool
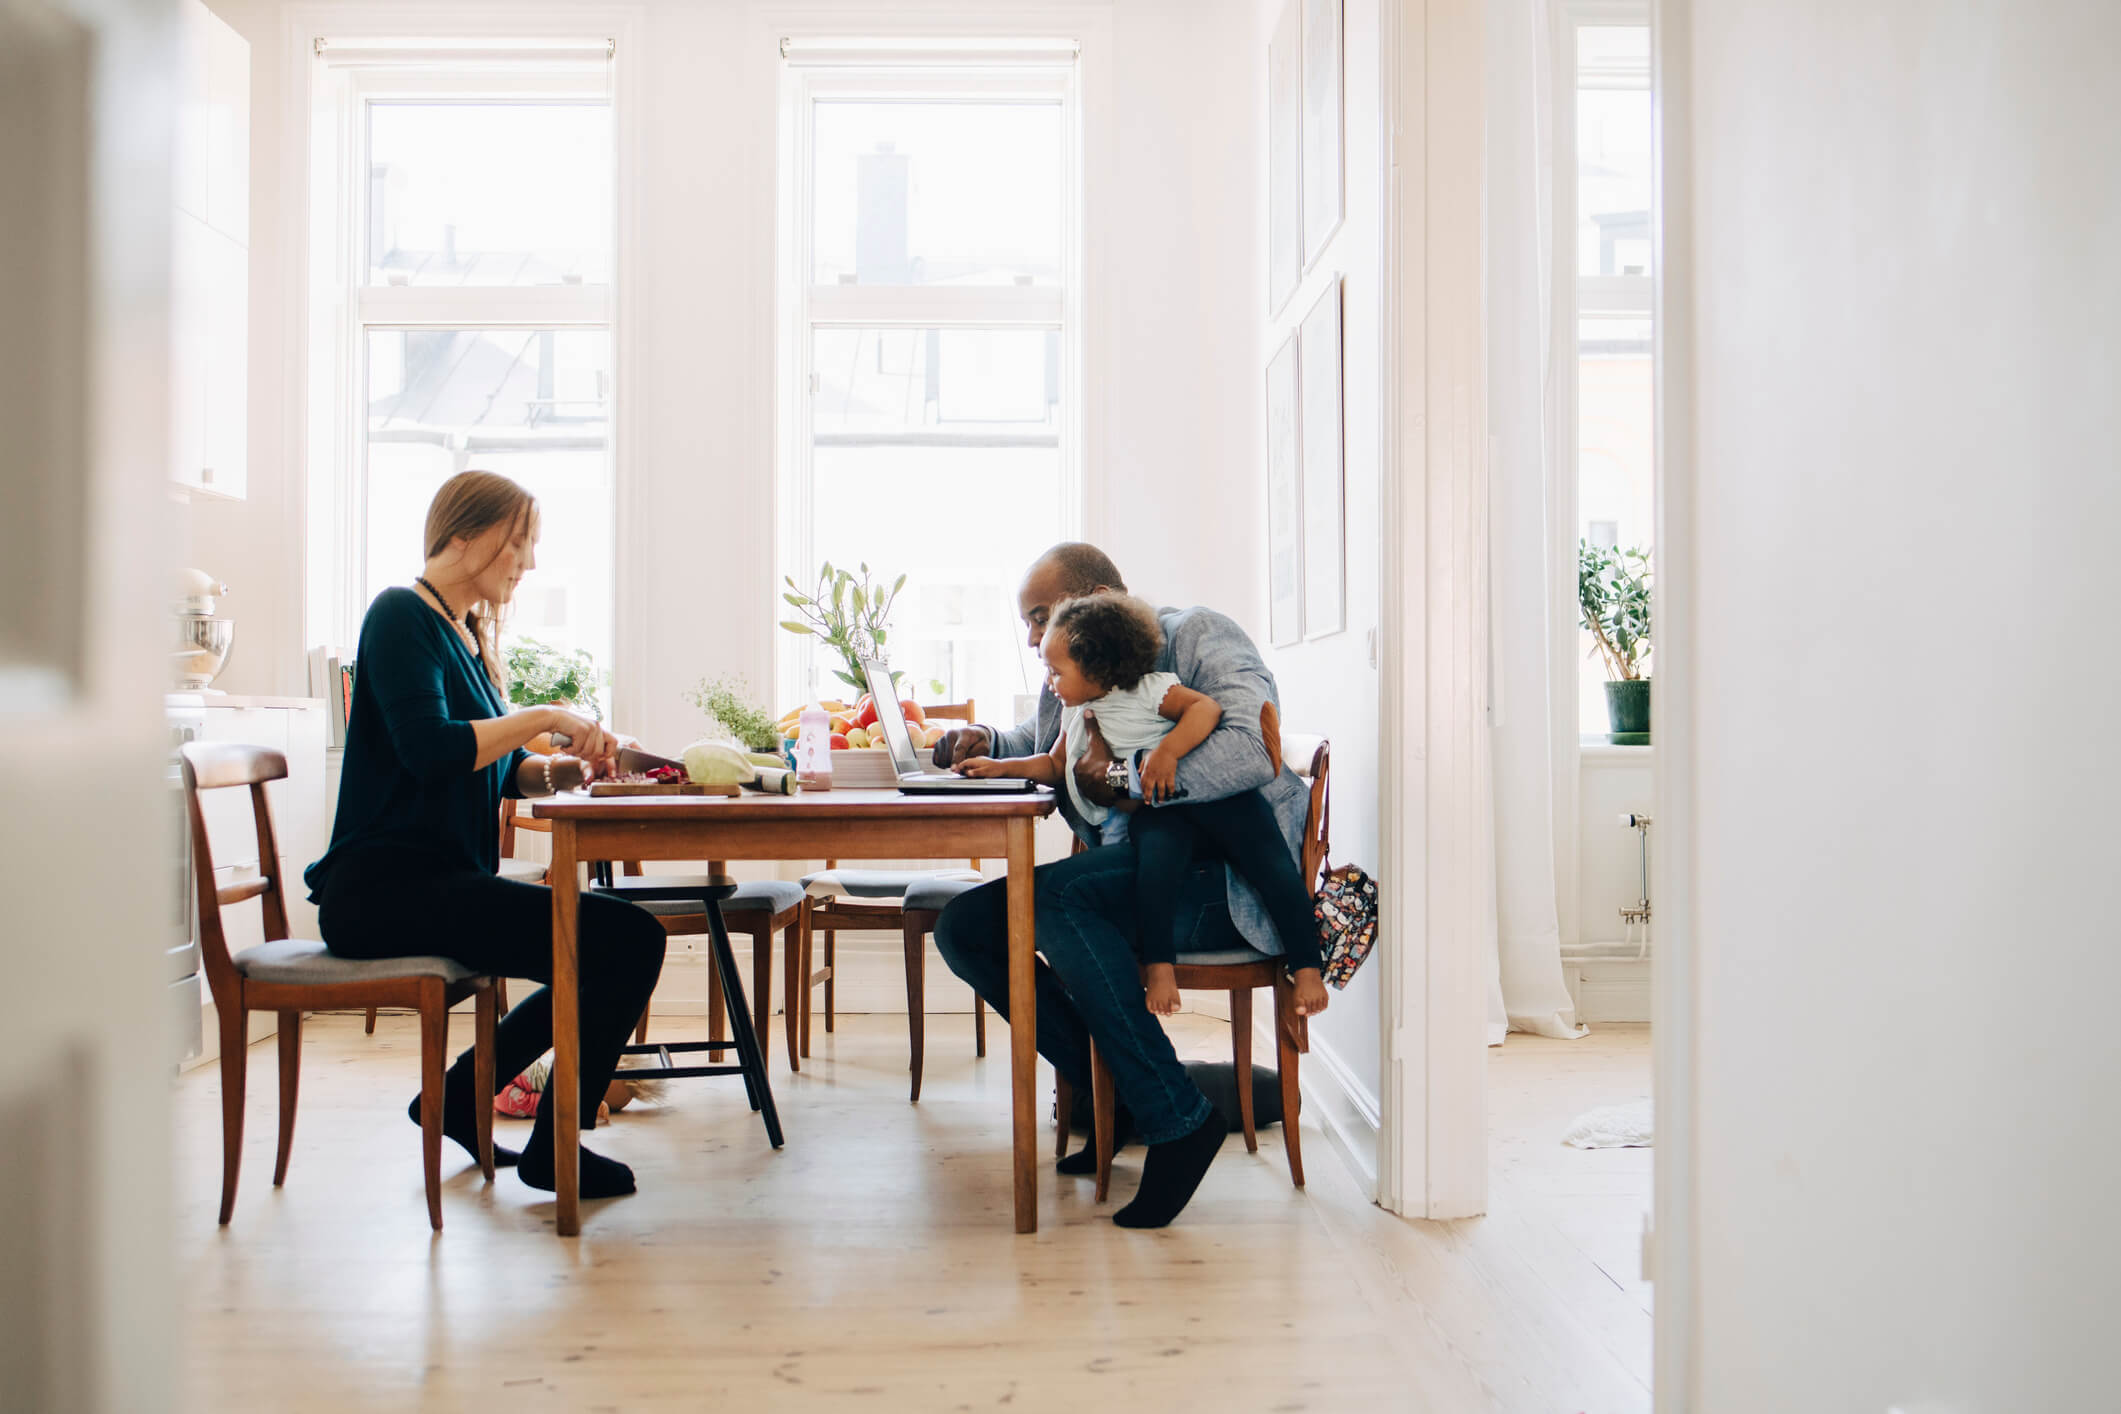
709,890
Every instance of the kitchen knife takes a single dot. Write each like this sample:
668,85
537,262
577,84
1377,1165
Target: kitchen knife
631,759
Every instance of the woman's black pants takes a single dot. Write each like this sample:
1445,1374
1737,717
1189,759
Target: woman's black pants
398,903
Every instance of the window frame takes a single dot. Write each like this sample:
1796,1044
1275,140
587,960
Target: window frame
345,308
805,307
1576,297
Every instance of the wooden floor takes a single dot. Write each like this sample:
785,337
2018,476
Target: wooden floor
870,1264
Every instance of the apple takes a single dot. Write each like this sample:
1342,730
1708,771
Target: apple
856,738
842,723
840,742
912,710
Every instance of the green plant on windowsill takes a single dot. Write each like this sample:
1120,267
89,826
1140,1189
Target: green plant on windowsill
1613,599
731,708
540,674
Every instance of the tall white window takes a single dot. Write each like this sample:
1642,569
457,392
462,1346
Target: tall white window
1602,62
929,348
462,267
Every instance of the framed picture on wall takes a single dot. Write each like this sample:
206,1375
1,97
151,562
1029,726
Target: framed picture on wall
1319,433
1321,125
1285,187
1285,564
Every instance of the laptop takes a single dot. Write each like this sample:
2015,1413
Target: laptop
911,778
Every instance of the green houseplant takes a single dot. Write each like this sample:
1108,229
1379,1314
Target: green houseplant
1613,596
540,674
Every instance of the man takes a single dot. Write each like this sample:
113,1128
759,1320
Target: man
1089,979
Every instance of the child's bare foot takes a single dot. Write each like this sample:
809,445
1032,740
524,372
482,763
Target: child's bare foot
1311,998
1162,980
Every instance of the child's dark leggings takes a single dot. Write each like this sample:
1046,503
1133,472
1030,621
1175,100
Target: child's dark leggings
1240,829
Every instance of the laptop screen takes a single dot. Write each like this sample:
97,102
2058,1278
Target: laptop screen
889,717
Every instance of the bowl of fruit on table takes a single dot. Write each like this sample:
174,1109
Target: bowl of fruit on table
859,754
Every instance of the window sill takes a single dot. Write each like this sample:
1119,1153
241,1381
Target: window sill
1598,749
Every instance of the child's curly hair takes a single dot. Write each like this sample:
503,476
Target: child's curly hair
1113,638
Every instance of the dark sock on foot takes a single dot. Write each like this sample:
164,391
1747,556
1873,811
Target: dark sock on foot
1081,1163
1171,1173
601,1177
460,1122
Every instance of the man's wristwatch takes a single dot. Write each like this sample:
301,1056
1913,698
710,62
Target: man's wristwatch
1118,779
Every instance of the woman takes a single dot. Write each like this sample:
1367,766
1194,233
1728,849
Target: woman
431,750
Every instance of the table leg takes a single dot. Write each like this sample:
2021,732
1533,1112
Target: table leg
566,1031
1023,1022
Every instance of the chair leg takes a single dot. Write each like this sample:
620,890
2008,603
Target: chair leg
434,1048
831,972
1241,1054
805,989
234,1061
640,1028
792,963
717,1008
1063,1114
1105,1106
500,996
979,1026
761,980
290,1083
370,1028
1285,1023
916,994
484,1004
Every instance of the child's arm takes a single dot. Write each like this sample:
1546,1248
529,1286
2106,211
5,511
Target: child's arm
1196,714
1044,768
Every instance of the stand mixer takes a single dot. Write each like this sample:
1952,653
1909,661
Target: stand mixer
202,640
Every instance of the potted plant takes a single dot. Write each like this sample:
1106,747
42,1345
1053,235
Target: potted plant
540,675
1613,595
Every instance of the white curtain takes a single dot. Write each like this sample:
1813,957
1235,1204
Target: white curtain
1534,719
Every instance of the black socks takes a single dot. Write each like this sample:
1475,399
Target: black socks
460,1122
601,1177
1171,1173
1083,1162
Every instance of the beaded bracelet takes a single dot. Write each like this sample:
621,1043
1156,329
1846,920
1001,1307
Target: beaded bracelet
550,788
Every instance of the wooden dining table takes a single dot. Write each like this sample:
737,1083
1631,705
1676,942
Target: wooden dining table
837,824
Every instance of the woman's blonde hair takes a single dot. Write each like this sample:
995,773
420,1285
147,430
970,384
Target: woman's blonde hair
467,506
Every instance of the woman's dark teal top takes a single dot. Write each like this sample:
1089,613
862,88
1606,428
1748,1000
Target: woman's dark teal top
406,780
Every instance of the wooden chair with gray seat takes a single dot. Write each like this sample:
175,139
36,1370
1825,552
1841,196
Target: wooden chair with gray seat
292,975
1240,972
759,907
840,900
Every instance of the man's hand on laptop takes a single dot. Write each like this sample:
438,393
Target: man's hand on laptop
961,744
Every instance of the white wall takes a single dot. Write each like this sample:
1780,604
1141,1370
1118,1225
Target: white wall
1904,487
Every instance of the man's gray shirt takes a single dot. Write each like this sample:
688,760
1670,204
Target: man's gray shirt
1213,656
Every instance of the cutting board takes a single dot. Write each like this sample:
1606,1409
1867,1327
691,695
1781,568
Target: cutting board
603,788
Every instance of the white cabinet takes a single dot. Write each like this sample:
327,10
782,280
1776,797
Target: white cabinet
210,257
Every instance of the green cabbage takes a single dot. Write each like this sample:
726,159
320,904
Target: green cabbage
717,763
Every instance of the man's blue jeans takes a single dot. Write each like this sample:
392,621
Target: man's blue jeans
1089,976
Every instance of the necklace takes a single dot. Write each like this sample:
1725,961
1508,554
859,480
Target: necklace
447,612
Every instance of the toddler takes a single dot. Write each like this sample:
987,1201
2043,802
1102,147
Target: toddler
1099,654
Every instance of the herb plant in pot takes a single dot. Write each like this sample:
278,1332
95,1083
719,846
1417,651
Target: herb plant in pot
1613,595
540,675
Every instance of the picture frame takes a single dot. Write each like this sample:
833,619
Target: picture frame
1323,137
1285,574
1285,183
1321,431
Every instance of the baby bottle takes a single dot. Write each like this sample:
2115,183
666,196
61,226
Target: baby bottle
813,750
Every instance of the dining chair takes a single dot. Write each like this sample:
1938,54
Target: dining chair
837,900
292,975
1240,972
759,907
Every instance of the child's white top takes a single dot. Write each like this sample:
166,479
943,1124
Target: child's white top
1130,721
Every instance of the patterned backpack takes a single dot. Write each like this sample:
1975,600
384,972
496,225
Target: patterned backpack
1346,910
